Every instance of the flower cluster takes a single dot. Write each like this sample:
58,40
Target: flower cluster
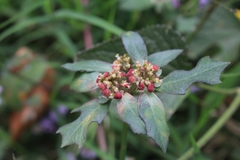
128,77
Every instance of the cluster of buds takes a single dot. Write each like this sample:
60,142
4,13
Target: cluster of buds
128,77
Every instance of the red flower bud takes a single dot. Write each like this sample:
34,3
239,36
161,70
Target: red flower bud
123,74
129,73
155,68
101,86
98,78
118,95
150,87
141,86
131,79
106,92
106,74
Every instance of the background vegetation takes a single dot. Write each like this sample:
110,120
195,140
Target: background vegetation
37,37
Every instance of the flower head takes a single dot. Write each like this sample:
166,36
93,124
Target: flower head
127,77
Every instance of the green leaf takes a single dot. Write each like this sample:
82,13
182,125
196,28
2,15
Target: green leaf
207,71
89,65
75,132
89,19
102,99
152,112
157,38
135,5
85,82
127,109
134,45
221,29
164,57
171,102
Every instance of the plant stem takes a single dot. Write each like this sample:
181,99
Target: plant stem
218,90
202,21
216,127
123,142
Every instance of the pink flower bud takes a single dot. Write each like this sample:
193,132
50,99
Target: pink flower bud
155,68
106,92
106,74
130,71
118,95
131,79
150,87
141,86
123,74
101,86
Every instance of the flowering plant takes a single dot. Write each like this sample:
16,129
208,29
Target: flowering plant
131,80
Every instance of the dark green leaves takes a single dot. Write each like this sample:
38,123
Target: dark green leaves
85,82
75,132
89,65
134,45
127,109
152,112
156,38
207,71
164,57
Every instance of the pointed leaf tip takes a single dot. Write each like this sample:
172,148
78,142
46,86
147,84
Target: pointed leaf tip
135,46
206,70
164,57
152,112
75,132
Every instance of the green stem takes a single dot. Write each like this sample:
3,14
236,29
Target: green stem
218,90
123,141
215,128
202,21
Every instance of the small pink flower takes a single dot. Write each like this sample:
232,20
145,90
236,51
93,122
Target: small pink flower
106,74
150,88
155,68
118,95
106,92
141,86
101,86
131,79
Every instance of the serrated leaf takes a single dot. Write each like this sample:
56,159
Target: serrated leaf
134,45
89,66
127,109
207,71
85,82
75,132
164,57
152,112
157,38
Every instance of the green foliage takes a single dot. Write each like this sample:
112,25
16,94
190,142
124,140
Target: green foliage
135,47
85,82
89,66
164,57
127,109
152,112
75,132
207,71
156,38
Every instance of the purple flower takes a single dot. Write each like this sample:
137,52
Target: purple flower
71,156
203,3
176,3
62,109
194,89
47,125
87,154
52,116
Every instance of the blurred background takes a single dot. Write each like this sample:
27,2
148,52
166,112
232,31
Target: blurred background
38,36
